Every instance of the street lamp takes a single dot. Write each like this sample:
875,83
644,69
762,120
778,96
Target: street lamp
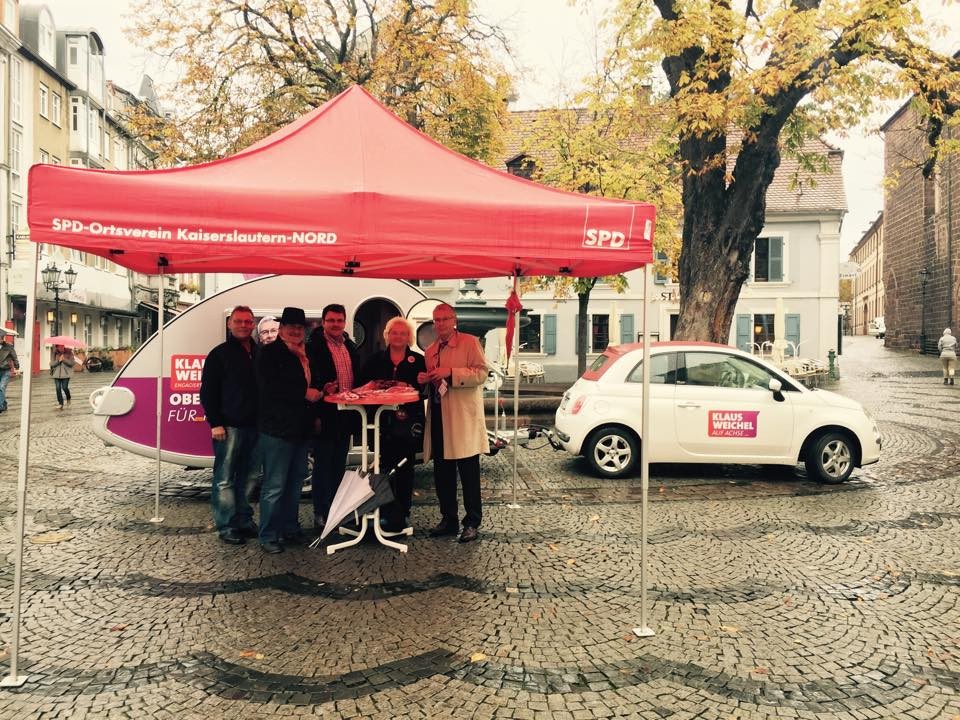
51,281
924,276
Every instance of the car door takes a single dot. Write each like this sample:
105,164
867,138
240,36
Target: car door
725,411
663,376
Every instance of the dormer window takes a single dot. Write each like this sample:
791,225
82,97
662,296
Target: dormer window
522,166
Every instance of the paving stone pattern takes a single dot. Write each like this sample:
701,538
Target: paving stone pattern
771,596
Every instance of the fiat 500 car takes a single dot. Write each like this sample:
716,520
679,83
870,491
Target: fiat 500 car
710,404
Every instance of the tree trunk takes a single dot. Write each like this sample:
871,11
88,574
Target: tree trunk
720,227
583,329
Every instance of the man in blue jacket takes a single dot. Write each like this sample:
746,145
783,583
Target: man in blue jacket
228,393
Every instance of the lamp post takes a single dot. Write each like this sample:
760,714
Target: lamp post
924,276
51,281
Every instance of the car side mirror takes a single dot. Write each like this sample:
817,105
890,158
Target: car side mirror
775,387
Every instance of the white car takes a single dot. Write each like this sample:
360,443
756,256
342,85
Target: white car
877,328
711,404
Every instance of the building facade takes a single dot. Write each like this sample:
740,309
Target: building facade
868,296
920,220
58,108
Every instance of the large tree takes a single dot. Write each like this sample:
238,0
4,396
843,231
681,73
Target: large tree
607,145
247,67
750,81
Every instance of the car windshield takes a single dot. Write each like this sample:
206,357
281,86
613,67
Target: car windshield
722,370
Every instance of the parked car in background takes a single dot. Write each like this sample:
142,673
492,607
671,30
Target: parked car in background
877,328
710,403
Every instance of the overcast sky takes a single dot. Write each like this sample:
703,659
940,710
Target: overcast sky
554,44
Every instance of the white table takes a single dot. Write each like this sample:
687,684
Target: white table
386,402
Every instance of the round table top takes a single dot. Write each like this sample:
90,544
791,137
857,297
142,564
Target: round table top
400,397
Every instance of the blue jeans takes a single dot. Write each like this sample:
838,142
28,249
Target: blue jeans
233,474
63,388
4,381
330,450
284,467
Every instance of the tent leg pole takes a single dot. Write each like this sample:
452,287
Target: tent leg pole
516,402
157,518
14,678
644,630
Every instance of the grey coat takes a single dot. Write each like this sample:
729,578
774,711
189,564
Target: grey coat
63,368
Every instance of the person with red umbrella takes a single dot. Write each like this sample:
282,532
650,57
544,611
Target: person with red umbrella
62,370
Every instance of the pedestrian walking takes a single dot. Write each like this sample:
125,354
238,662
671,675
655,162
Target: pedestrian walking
9,365
947,345
455,435
62,370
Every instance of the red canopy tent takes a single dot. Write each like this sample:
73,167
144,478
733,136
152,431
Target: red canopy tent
347,188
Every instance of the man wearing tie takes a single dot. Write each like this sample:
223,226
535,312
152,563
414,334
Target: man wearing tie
455,432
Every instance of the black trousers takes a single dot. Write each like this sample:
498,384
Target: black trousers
445,478
392,452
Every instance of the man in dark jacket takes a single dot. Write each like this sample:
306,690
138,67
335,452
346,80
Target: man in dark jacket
333,362
287,412
228,393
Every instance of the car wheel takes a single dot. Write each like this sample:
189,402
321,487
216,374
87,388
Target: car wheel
830,458
612,452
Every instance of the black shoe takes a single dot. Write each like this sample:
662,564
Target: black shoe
945,381
232,537
249,532
951,381
469,534
271,548
444,528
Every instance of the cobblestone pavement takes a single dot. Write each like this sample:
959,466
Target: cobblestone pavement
770,596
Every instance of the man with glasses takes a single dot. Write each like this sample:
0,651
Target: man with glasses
333,362
455,432
228,393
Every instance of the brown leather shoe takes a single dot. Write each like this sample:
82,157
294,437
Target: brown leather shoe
442,529
469,534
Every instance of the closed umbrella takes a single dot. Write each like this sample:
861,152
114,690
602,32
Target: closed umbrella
382,490
353,491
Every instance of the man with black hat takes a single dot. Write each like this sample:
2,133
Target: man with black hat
228,393
287,411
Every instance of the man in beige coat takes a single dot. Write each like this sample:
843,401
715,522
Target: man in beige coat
455,432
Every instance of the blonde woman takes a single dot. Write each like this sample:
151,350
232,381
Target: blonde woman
401,433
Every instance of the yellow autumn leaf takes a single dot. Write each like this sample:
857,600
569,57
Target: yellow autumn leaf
477,657
51,538
730,629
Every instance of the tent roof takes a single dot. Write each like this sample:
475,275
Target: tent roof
347,188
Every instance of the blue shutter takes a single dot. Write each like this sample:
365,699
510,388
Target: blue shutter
626,329
792,327
744,330
776,260
550,334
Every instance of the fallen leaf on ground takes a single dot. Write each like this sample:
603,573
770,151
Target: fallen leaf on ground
477,657
251,654
552,547
730,629
534,616
950,573
51,538
512,590
760,670
595,518
118,628
571,561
